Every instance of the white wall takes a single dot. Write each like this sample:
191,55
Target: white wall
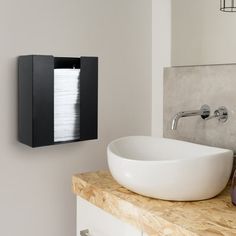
201,33
161,57
35,184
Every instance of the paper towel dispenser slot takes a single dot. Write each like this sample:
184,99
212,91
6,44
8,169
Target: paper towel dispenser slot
57,99
66,62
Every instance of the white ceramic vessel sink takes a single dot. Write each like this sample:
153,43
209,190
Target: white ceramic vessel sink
169,169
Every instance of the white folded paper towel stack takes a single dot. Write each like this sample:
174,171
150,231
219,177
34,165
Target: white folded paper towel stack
66,104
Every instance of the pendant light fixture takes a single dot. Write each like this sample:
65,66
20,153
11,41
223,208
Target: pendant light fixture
228,5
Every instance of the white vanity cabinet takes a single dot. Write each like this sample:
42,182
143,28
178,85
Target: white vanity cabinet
93,221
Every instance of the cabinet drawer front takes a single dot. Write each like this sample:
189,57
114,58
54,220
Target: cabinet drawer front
100,223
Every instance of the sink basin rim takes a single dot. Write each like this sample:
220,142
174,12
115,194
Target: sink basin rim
217,150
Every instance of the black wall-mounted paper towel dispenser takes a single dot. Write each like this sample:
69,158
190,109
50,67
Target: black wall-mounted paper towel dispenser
57,99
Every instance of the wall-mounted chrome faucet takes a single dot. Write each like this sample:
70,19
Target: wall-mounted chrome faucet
221,114
204,112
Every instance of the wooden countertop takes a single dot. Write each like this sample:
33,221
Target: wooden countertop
212,217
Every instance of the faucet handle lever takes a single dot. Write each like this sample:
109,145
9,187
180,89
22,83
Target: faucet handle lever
221,114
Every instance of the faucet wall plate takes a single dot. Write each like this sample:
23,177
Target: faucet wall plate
205,111
222,114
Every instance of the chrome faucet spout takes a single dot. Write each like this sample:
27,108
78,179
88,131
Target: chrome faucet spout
204,112
183,114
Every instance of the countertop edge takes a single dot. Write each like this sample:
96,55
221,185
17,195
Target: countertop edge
138,217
